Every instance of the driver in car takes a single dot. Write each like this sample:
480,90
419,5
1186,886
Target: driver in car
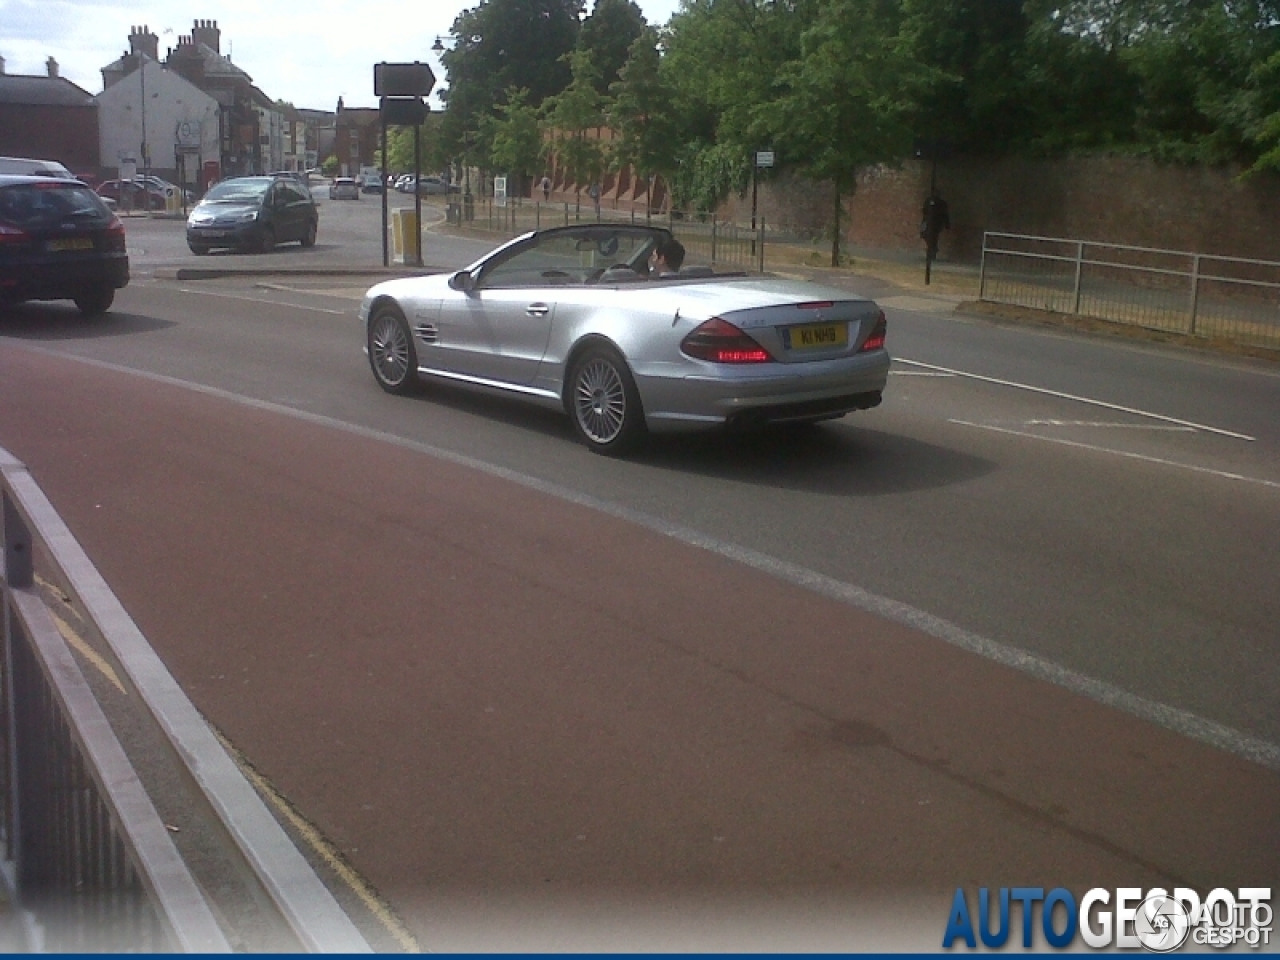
666,259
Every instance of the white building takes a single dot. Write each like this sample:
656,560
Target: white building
161,121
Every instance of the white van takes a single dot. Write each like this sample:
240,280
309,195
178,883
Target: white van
35,168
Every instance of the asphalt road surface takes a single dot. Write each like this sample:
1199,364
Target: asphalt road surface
1018,625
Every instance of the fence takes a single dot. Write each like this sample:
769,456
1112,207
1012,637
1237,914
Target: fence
707,240
1192,293
89,863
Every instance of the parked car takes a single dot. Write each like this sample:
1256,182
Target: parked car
371,183
344,188
133,195
35,168
571,318
405,183
58,241
253,213
164,187
435,186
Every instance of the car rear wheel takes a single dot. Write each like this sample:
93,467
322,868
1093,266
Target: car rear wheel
309,238
95,300
604,402
392,356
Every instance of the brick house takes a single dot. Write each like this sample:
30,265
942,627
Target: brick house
357,139
48,118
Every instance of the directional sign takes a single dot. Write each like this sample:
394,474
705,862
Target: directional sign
402,79
403,111
764,158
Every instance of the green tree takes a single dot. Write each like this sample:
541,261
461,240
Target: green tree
508,44
570,116
614,25
849,101
515,136
716,97
400,147
641,113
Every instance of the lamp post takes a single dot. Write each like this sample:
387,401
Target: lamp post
467,211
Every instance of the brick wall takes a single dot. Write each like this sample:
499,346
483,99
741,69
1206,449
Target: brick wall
66,134
1106,199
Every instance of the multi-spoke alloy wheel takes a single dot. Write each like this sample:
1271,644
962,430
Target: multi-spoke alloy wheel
604,402
391,353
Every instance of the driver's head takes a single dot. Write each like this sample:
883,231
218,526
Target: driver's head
668,254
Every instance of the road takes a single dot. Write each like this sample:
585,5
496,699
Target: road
866,661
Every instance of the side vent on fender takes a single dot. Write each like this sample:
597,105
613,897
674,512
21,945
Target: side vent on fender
427,332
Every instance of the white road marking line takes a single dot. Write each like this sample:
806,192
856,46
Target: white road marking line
1108,423
1118,453
1184,722
274,303
919,373
1078,399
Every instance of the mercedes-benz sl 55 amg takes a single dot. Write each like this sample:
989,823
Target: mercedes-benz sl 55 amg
573,318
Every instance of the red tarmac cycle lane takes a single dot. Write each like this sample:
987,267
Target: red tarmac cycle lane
474,689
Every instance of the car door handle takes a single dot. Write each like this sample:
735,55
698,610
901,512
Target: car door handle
537,310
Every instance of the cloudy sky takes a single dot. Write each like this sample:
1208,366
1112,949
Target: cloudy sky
309,52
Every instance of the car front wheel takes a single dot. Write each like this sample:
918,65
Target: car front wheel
309,238
392,356
604,402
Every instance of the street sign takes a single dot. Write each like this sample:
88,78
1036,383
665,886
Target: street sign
403,111
402,79
500,191
764,158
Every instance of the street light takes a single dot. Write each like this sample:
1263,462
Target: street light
467,202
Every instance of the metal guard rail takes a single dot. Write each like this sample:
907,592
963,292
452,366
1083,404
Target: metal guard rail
87,856
1243,308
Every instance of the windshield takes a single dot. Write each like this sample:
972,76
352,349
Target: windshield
575,255
238,191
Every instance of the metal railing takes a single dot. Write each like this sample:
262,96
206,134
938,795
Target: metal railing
1202,295
89,857
708,240
90,864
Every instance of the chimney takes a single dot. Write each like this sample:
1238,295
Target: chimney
187,62
52,66
142,40
207,32
1,66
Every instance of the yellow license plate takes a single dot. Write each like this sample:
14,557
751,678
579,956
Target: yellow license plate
71,243
816,336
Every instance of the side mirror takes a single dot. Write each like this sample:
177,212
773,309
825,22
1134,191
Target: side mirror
463,281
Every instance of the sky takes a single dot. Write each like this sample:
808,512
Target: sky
308,53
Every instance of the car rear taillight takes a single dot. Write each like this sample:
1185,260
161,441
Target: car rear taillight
115,235
876,340
721,342
10,234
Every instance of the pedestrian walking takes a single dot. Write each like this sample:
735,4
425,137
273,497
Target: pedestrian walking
546,189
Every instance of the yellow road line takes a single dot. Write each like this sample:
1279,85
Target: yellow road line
325,850
76,641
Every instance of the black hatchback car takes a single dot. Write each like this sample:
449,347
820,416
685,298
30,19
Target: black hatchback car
59,241
253,213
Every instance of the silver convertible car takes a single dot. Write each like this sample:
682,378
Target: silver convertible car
573,318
